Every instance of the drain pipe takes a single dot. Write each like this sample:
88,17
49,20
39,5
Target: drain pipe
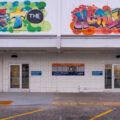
59,24
2,90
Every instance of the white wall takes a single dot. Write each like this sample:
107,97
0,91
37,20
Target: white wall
60,21
48,83
28,43
90,43
63,17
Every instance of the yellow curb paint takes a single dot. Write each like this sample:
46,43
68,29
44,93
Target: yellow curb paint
82,103
74,104
5,102
102,114
65,103
11,117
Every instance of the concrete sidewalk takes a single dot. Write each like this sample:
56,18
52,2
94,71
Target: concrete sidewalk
87,97
57,98
27,98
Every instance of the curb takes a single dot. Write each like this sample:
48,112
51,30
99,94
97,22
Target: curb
87,103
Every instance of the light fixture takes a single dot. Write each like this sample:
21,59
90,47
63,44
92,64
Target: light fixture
14,56
117,56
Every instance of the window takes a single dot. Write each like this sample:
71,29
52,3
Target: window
25,76
65,69
108,76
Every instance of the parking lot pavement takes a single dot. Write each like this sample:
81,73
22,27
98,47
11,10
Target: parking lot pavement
80,106
53,112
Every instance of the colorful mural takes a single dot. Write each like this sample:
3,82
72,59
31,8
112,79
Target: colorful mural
24,16
89,20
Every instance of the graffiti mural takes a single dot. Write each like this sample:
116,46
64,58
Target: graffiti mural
90,20
24,16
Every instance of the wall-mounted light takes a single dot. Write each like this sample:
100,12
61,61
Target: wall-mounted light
14,56
117,56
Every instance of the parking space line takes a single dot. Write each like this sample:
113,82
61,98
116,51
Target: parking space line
102,114
19,115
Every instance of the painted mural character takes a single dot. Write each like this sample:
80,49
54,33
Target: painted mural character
101,18
112,17
17,15
91,18
81,21
3,22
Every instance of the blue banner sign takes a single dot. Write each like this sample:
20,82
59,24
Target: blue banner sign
68,73
97,73
36,73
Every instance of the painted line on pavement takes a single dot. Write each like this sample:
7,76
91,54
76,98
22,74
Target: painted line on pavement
19,115
100,115
85,103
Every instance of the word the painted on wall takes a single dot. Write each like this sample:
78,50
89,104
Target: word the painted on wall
24,16
67,69
89,20
35,16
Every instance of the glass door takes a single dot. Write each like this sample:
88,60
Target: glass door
116,78
15,76
19,77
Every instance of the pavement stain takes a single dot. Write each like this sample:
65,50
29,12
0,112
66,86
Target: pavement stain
3,103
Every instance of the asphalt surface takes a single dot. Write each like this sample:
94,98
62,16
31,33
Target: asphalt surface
66,111
51,112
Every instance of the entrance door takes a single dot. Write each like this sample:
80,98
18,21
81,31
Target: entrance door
116,78
19,78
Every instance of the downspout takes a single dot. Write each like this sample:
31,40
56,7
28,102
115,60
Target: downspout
59,24
2,71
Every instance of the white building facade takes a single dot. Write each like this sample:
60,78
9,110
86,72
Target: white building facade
59,46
